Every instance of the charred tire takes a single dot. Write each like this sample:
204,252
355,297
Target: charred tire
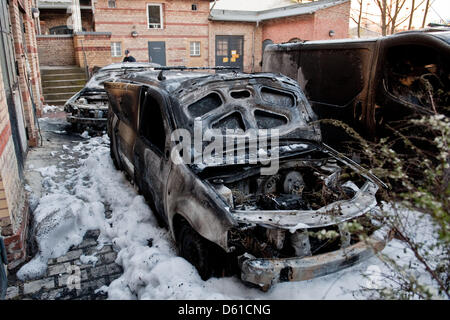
197,250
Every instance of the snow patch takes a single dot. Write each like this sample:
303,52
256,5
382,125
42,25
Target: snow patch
49,108
88,259
152,269
85,135
50,171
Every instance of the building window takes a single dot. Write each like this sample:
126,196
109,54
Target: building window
155,16
116,49
195,49
111,3
194,7
60,30
222,48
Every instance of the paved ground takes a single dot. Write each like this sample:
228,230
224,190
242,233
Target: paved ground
67,277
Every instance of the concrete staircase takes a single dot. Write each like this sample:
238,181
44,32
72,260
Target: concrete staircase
61,83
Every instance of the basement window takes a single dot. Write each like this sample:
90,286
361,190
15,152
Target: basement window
111,3
194,7
155,16
195,49
116,49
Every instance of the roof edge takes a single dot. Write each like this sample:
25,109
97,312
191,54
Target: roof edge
275,13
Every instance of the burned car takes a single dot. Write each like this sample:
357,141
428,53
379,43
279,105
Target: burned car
368,83
89,107
245,215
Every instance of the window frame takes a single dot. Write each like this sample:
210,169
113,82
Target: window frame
222,48
161,16
199,49
159,103
194,7
120,46
112,1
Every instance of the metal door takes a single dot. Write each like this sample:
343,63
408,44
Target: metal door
157,52
230,51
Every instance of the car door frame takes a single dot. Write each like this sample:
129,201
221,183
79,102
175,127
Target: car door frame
156,202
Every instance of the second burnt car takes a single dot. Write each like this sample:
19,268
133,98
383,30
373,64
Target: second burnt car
89,106
287,225
370,84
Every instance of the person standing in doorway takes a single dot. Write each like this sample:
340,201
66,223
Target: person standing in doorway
128,57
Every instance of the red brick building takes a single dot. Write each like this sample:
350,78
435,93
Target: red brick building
183,32
20,101
251,30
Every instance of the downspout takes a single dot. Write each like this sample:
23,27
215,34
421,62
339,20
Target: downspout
253,46
93,2
210,52
86,67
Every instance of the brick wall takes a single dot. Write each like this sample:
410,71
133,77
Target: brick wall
50,18
283,30
95,47
56,50
306,27
33,59
13,213
334,18
13,204
181,25
310,27
24,62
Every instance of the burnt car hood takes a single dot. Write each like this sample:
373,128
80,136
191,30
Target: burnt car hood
266,92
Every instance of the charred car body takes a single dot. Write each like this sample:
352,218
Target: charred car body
89,106
232,214
368,83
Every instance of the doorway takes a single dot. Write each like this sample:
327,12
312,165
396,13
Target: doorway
157,52
229,51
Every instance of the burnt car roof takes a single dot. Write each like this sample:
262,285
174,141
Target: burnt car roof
173,80
128,65
113,71
188,89
442,34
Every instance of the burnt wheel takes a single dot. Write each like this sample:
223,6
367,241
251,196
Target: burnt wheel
196,250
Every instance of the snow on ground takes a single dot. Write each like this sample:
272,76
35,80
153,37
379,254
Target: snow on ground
48,108
88,259
76,199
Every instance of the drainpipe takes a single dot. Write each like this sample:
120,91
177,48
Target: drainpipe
209,37
93,2
86,67
76,16
253,46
